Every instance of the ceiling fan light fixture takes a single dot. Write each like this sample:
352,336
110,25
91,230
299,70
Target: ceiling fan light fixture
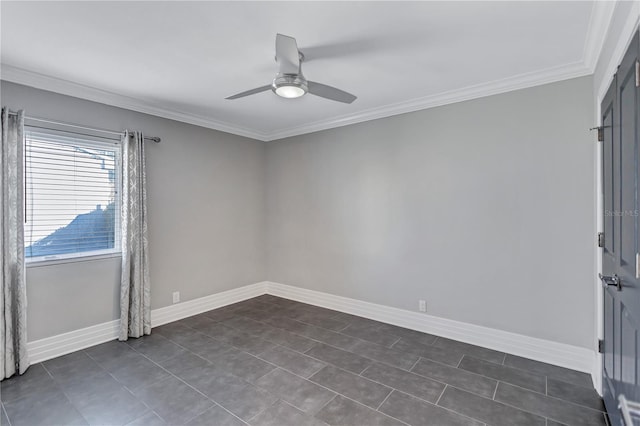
289,86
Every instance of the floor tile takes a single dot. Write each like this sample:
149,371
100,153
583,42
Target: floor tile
298,392
155,347
77,364
408,334
197,321
288,339
342,411
322,321
35,380
111,354
283,414
343,359
326,336
295,362
354,319
472,350
149,419
445,356
571,376
83,387
514,376
486,410
352,386
184,362
203,345
549,407
114,408
576,394
410,383
221,314
371,334
174,401
248,325
462,379
416,412
239,339
37,410
243,365
247,402
214,382
216,377
172,329
380,353
216,416
65,361
138,372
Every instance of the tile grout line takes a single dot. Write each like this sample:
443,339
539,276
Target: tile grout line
414,366
342,395
442,393
554,398
263,410
493,398
384,400
62,390
192,387
546,385
4,410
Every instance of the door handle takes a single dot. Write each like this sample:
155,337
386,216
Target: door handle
613,280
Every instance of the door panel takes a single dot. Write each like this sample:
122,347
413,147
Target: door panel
629,162
620,180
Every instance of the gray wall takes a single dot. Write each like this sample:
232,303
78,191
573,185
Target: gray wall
483,208
206,217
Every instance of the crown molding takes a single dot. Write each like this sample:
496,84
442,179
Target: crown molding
522,81
599,23
598,29
631,24
70,88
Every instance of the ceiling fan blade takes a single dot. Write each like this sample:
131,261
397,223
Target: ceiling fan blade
250,92
329,92
287,54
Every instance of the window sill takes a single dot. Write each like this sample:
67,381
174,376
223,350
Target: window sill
88,258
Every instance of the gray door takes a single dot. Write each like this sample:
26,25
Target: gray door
620,268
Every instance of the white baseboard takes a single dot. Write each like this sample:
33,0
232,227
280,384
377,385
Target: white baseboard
560,354
62,344
203,304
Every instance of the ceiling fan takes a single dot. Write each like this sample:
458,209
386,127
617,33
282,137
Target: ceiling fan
289,82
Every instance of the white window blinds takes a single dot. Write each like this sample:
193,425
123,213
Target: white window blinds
72,203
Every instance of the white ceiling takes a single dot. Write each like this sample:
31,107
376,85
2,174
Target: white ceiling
181,59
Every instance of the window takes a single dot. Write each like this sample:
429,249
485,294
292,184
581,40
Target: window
72,195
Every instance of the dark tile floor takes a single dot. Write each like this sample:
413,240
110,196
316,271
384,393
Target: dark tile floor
272,361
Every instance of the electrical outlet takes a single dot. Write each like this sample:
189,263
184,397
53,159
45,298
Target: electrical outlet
422,305
176,296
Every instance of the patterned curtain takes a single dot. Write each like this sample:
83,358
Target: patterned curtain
13,296
135,292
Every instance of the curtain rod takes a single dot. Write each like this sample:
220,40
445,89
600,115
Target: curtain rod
155,139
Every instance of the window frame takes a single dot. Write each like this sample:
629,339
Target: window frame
89,141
